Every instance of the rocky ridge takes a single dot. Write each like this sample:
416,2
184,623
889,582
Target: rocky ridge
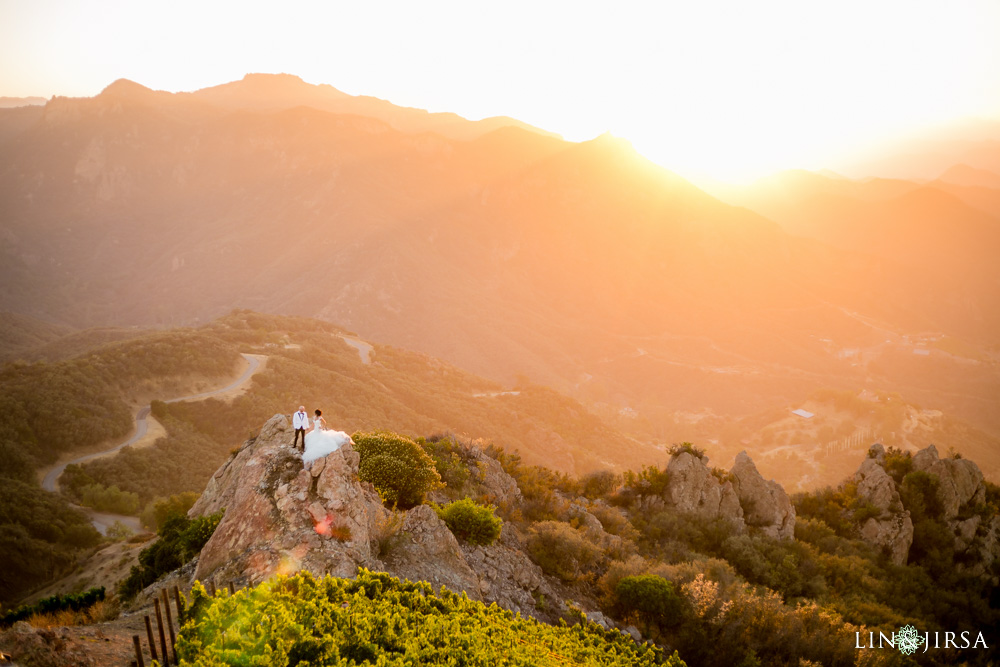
281,517
961,489
742,495
892,529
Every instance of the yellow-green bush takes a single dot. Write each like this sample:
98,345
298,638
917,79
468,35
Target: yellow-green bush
398,467
378,619
471,522
561,550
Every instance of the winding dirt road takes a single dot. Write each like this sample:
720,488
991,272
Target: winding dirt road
101,520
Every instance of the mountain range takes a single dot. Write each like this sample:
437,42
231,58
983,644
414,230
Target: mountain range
490,244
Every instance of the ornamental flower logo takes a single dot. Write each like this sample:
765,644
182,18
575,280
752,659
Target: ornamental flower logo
908,640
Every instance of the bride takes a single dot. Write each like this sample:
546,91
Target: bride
320,441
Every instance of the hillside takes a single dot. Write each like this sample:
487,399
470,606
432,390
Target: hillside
581,266
309,362
721,565
19,333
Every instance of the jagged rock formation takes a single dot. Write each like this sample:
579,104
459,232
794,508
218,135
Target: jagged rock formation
765,504
743,497
692,488
960,482
961,490
281,518
892,529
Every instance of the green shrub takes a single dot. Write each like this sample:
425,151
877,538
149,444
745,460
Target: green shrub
449,457
653,598
77,602
109,499
898,464
919,493
158,510
398,467
866,511
181,539
599,484
471,522
561,550
677,449
650,481
118,532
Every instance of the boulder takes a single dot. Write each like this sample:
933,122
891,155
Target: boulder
961,488
692,488
508,577
960,482
593,528
892,529
766,506
429,552
498,487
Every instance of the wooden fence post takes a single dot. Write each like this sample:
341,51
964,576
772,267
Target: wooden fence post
163,638
152,642
170,623
138,651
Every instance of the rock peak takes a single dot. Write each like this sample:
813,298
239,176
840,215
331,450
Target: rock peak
125,88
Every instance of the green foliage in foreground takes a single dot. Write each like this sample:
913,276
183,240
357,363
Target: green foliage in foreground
471,522
180,540
77,602
378,619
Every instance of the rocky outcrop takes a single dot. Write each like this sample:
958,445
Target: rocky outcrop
511,579
766,506
498,487
742,496
892,529
281,518
593,528
961,490
428,551
692,488
960,482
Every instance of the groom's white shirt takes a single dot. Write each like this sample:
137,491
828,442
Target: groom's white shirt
300,420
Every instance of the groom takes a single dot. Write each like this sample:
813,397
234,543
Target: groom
300,422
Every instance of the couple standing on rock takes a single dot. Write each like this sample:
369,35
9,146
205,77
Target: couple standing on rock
317,440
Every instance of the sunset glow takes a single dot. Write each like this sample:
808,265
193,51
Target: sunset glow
732,90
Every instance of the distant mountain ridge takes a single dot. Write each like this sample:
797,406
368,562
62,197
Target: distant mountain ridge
584,266
963,174
12,102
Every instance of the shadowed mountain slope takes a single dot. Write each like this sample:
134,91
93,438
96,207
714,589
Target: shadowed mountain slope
582,265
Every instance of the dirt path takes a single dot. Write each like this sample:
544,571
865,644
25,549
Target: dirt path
364,349
100,520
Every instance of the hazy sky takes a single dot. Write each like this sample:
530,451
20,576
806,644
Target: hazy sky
732,88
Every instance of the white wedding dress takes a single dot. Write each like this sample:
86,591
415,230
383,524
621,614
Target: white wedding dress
320,442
